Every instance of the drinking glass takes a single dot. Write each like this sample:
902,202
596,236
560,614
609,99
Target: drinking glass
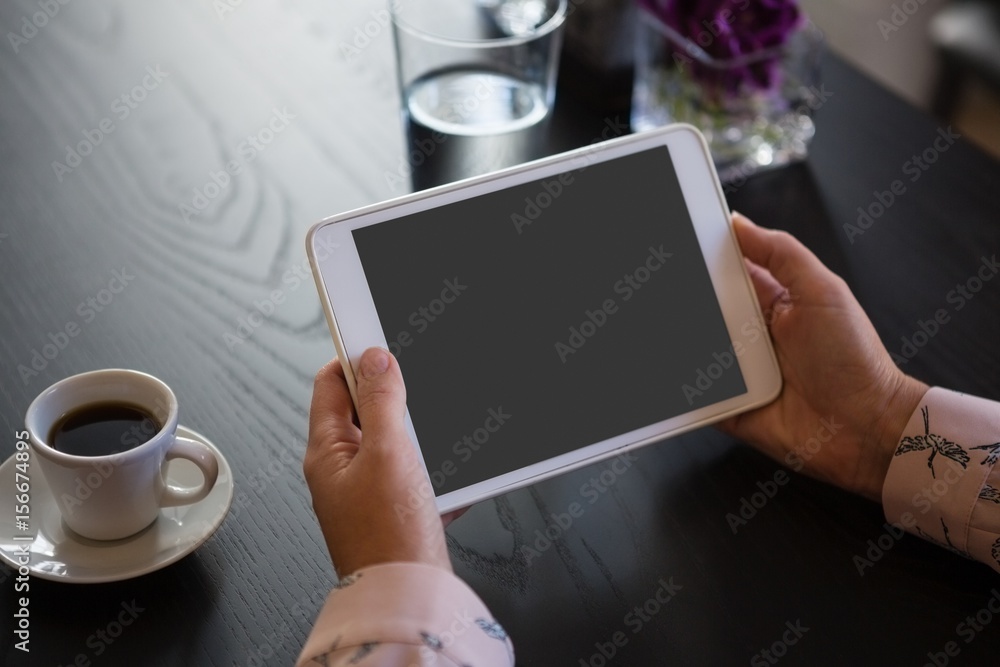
477,80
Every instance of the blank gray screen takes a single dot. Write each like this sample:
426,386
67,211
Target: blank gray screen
549,316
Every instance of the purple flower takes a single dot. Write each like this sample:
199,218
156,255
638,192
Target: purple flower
741,32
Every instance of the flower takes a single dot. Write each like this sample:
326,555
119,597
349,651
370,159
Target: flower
742,34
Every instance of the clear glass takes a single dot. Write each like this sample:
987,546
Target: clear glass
747,129
477,79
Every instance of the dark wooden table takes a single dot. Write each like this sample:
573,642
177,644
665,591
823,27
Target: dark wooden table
248,596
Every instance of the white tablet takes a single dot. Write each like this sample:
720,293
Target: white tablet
553,314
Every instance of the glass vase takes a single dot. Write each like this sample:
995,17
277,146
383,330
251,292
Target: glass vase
748,126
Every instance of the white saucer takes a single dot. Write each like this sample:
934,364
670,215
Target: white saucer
58,554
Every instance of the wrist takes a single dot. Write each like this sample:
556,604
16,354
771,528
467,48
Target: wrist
903,398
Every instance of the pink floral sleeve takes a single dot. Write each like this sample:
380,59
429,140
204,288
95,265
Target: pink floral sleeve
406,614
944,483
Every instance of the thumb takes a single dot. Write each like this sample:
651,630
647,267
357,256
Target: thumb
381,400
779,252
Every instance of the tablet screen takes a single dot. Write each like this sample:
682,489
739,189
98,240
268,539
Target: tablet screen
539,319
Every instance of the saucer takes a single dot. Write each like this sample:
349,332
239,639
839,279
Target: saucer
58,554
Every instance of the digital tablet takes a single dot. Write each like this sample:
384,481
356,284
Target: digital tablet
553,314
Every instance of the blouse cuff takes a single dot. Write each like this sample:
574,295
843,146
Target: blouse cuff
394,605
939,481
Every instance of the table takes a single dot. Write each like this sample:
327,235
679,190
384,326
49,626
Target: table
314,128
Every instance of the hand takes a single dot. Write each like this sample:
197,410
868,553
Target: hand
834,367
370,492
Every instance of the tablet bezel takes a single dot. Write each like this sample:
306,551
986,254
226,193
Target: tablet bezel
355,325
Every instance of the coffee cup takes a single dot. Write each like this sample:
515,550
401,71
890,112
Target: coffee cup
102,439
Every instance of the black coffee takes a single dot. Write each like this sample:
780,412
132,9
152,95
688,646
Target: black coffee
100,429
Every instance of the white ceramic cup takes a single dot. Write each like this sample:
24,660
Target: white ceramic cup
117,495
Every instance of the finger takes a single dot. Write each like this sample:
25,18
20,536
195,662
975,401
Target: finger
446,519
769,291
332,411
755,428
780,253
381,399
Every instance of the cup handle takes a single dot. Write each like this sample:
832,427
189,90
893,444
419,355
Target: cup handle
200,455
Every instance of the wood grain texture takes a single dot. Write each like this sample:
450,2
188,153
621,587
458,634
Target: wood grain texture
248,596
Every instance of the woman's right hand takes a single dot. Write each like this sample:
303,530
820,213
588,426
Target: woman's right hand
840,384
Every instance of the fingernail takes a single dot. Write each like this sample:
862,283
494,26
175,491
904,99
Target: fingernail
374,362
